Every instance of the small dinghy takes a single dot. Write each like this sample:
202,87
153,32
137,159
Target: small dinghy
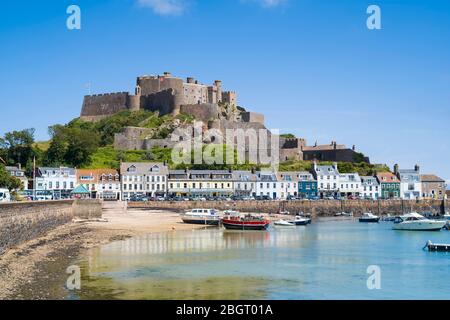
283,223
437,246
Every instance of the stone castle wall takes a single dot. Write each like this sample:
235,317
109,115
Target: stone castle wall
320,208
102,105
204,112
24,221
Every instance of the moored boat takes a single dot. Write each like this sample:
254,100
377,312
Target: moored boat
201,216
300,221
283,223
232,220
369,217
416,222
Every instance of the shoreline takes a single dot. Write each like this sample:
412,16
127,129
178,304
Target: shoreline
41,263
35,270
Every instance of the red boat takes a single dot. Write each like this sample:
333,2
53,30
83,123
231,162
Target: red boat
234,221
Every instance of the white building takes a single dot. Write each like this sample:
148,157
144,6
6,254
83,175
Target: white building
244,183
410,183
327,180
370,188
267,185
350,185
55,182
143,178
287,184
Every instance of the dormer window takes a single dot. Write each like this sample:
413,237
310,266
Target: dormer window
131,169
154,169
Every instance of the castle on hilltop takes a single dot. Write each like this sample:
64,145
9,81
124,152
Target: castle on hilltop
216,108
163,93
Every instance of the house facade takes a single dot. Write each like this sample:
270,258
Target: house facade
433,187
327,180
244,183
410,184
200,183
370,188
267,185
146,178
101,183
307,185
287,184
389,185
56,183
350,185
18,173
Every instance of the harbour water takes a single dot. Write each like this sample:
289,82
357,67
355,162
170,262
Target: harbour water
325,260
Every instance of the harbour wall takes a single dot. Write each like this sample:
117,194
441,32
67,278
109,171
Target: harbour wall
321,208
24,221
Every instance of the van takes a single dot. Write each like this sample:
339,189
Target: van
5,196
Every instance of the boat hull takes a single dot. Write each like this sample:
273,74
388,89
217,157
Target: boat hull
208,221
419,226
369,220
234,225
301,222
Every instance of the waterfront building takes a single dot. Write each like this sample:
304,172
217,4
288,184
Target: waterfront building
244,183
370,188
101,183
350,185
143,179
267,185
327,180
410,184
200,183
287,183
56,183
307,185
18,173
389,185
433,187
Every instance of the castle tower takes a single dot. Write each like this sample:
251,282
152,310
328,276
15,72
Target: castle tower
218,84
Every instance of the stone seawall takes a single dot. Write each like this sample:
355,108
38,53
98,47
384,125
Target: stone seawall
316,208
24,221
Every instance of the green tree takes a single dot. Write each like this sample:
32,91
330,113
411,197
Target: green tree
8,182
17,146
80,147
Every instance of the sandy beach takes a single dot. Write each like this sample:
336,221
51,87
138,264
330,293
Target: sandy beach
25,268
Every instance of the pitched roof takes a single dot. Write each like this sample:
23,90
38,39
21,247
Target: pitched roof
430,178
324,147
387,177
80,190
142,168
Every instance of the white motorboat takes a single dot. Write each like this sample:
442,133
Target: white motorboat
369,217
300,221
201,216
283,223
416,222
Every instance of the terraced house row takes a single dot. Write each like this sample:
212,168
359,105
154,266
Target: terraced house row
152,179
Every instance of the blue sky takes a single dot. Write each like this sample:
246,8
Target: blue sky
312,67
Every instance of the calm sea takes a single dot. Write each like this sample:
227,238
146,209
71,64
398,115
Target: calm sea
326,260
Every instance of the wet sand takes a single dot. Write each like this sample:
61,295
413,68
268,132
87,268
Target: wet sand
36,269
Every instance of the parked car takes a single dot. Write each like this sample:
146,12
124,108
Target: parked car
5,196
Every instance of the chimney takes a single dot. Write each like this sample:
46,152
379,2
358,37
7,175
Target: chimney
167,74
253,170
190,80
416,168
354,148
396,168
19,165
335,145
